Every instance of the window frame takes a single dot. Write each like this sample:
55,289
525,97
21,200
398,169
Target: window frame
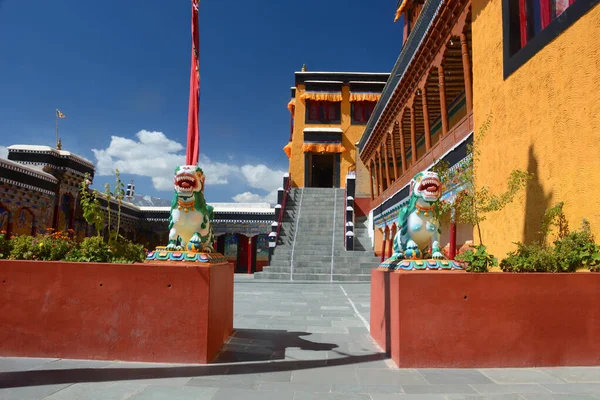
353,120
307,112
515,58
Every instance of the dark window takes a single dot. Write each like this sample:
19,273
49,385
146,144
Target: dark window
325,112
529,25
362,110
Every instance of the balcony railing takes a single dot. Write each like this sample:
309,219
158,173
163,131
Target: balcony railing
454,136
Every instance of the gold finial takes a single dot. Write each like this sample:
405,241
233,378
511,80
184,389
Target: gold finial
59,144
303,67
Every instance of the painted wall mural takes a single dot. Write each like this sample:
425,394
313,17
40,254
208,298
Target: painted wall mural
262,248
23,223
4,218
231,246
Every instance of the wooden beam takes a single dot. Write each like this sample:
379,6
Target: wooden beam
443,106
467,72
394,161
426,126
413,136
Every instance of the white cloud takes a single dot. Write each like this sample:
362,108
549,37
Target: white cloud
248,197
262,177
155,156
3,152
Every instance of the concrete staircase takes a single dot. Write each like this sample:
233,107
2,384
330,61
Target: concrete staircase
310,258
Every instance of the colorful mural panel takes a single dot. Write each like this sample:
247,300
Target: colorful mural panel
262,247
4,218
231,246
23,223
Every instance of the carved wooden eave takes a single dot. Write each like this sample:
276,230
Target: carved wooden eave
452,14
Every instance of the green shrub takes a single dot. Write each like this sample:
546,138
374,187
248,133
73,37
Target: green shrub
22,247
92,249
5,245
52,247
531,258
578,249
126,251
479,260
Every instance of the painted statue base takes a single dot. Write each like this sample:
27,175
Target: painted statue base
162,254
395,264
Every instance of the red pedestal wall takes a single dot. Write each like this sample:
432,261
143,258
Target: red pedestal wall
468,320
154,312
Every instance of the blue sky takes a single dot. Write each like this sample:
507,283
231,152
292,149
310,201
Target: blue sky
116,68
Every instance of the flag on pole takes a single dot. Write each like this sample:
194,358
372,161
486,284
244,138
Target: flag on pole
59,114
193,132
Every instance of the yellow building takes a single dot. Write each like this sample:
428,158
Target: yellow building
329,114
536,70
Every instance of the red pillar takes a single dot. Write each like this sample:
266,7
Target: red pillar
452,249
383,240
390,244
249,254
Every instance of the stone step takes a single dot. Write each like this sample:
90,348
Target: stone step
313,277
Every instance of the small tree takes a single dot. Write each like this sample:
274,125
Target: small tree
119,194
90,205
474,202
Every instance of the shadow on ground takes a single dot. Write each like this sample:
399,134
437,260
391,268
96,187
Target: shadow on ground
264,348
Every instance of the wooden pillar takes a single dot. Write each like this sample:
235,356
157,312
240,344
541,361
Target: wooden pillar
377,174
452,247
383,240
380,170
390,243
413,136
426,120
442,81
394,161
402,150
388,182
250,254
467,71
371,178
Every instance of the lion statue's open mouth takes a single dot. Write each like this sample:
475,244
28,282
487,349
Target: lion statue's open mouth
185,183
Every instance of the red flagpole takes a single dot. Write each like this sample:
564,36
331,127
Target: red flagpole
193,129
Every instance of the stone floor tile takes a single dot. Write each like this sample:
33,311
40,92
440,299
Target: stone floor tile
575,374
243,394
175,393
331,375
30,392
520,388
453,376
72,364
559,397
390,377
295,387
331,396
439,389
224,383
8,364
378,396
98,391
574,388
486,397
366,389
519,375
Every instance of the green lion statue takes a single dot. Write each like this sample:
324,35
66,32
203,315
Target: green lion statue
190,217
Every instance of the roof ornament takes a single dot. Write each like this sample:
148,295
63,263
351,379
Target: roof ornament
303,67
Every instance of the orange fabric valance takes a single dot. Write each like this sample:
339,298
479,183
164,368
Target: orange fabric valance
364,96
400,10
323,148
288,149
322,96
291,105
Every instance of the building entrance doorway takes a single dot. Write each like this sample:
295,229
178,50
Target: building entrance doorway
322,170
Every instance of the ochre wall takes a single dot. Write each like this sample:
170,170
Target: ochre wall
546,119
351,135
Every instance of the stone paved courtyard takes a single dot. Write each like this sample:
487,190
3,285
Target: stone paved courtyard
292,341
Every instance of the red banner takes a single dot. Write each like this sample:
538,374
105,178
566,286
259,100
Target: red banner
193,129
